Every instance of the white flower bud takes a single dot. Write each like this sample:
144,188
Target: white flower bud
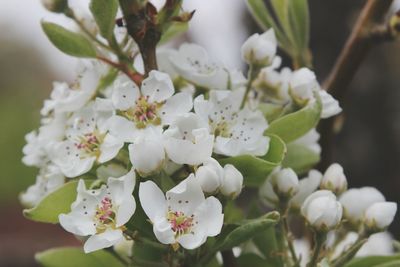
322,211
380,215
334,179
302,84
147,155
233,181
356,201
260,49
285,183
57,6
210,175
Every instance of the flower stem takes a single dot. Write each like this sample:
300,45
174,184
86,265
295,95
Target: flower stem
319,239
251,75
351,252
228,258
288,237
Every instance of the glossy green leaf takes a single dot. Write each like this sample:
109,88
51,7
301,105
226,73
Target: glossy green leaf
256,169
71,43
294,125
267,243
174,30
374,261
245,231
71,256
104,12
300,158
54,204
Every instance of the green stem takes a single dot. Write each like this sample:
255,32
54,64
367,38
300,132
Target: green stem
289,241
319,238
351,252
251,75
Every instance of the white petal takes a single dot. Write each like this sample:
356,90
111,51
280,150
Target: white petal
125,93
330,106
103,240
77,224
152,200
193,240
209,216
122,129
109,148
186,196
158,86
162,230
178,104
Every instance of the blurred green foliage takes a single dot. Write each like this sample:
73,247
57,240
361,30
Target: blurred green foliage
24,82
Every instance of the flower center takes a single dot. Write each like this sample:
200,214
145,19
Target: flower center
180,223
105,215
90,143
144,113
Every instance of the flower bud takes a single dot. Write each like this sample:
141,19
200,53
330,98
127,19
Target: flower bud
322,211
233,181
210,175
334,179
302,84
147,155
380,215
57,6
260,49
285,183
356,201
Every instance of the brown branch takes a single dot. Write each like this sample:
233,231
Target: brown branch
133,75
353,53
228,258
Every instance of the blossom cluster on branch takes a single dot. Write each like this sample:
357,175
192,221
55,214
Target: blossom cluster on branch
135,159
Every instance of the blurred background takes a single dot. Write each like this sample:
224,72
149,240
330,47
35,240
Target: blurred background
368,146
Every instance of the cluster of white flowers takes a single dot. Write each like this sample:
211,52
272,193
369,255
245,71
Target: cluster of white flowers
180,121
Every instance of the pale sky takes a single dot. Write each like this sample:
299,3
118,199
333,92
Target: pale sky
216,25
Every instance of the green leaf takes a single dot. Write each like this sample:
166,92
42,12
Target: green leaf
294,125
271,111
299,19
300,158
254,169
71,43
245,231
54,204
174,30
267,243
104,12
70,256
375,261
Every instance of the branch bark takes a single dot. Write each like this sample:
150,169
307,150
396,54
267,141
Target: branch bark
353,53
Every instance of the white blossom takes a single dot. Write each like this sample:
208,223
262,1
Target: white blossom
184,216
260,49
357,200
334,179
330,106
322,211
380,215
188,141
285,182
87,142
101,213
310,141
151,107
237,131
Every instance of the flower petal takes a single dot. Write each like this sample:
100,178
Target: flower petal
152,200
178,104
125,93
103,240
109,148
157,87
